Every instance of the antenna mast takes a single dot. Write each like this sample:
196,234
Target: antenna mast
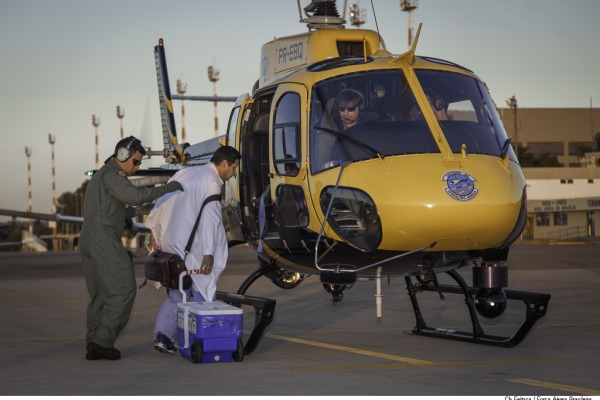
409,6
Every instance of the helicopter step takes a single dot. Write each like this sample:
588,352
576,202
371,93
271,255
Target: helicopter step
264,308
536,305
333,277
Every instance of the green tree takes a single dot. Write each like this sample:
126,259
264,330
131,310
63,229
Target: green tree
12,233
530,160
581,150
70,203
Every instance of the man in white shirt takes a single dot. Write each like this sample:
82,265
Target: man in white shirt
172,220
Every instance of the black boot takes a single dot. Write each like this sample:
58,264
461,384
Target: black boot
97,352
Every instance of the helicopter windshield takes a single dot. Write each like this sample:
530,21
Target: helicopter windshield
358,116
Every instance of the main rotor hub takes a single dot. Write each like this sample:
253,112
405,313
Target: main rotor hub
324,15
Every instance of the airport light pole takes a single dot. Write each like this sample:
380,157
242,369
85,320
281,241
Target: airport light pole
121,115
181,88
28,154
357,16
96,123
52,224
409,6
512,103
213,76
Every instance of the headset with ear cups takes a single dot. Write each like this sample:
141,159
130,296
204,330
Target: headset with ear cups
437,101
123,152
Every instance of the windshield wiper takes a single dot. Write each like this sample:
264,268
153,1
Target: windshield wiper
349,139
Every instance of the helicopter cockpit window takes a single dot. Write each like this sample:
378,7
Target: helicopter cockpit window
382,117
356,116
286,131
466,112
232,127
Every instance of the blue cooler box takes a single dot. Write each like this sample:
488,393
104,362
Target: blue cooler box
213,331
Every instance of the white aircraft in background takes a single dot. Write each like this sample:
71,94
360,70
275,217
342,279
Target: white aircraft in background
32,242
29,241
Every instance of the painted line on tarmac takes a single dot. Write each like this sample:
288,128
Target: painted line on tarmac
348,349
550,385
407,362
425,364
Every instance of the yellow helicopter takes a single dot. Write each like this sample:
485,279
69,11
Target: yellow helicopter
360,163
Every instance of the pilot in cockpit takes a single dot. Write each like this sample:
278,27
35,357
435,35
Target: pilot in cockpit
349,103
348,112
438,105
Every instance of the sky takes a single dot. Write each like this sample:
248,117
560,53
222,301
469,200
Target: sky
63,61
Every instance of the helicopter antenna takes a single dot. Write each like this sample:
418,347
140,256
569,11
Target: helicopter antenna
413,48
381,45
299,10
409,56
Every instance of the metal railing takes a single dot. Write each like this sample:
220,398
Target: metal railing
567,233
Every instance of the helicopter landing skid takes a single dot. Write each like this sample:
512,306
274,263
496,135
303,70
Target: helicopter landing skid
264,308
536,303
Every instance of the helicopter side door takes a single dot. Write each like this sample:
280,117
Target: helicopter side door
232,212
254,165
288,183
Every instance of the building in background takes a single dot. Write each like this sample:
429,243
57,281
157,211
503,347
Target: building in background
559,150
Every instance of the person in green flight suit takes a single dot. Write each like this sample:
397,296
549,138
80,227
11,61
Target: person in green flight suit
107,267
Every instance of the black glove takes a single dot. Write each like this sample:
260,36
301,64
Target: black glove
174,186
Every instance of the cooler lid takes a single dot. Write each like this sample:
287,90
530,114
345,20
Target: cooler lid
209,308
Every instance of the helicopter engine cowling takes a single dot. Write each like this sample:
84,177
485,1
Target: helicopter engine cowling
490,299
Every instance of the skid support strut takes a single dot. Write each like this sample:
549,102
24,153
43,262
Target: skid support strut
536,304
264,309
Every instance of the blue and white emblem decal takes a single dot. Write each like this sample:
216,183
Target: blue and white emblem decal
460,186
265,67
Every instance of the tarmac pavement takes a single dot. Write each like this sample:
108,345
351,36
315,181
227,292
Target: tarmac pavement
312,347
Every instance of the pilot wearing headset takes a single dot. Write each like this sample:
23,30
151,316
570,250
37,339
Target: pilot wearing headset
107,267
438,105
350,106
